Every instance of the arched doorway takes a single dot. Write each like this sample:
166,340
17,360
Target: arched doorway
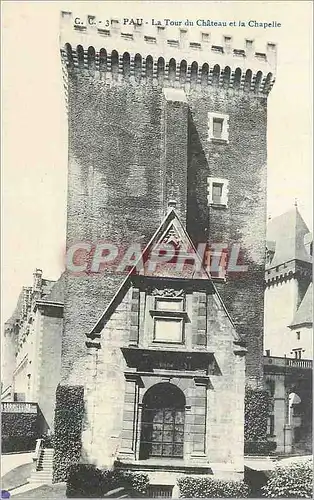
162,432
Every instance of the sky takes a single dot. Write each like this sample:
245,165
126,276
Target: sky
34,122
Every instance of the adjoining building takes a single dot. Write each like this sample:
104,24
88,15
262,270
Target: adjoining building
167,142
288,340
31,355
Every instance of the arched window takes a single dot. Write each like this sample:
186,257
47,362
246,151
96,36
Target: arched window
162,433
80,56
247,80
91,60
138,67
194,72
183,68
216,74
226,76
126,65
258,80
204,76
267,84
69,54
237,78
172,70
102,60
149,67
160,69
114,64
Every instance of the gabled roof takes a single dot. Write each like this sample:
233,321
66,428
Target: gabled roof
304,314
170,231
285,235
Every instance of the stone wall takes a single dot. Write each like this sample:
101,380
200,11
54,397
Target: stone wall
119,184
49,362
214,412
242,161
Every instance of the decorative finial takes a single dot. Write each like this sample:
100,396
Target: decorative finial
172,204
269,216
295,202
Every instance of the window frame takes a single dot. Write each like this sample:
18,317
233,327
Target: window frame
175,315
224,195
297,353
170,319
225,127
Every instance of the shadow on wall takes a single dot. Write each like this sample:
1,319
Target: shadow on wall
198,171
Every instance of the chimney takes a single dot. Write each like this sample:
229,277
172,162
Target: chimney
37,281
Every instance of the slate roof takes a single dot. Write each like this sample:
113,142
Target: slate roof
304,314
285,236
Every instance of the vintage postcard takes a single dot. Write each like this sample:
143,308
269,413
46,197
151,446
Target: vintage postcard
157,333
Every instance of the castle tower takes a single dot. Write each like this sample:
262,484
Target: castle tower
288,293
155,116
167,143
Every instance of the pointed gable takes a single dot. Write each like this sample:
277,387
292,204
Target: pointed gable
170,233
171,253
285,237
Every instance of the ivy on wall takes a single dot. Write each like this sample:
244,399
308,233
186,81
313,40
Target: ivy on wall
19,431
207,487
257,402
69,415
87,481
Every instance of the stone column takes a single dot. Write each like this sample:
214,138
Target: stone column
90,397
199,409
134,318
287,438
130,417
138,431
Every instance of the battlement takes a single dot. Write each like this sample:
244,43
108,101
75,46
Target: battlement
172,56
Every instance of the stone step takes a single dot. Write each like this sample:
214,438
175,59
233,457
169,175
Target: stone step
41,474
40,479
48,476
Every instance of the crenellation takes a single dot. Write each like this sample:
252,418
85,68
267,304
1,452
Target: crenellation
173,71
84,41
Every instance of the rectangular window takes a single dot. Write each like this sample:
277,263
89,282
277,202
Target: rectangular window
271,425
297,353
163,304
217,128
168,330
298,335
217,192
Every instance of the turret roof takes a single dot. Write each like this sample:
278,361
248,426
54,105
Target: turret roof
304,312
285,235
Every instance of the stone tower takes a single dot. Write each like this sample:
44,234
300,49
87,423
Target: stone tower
288,292
167,143
153,117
